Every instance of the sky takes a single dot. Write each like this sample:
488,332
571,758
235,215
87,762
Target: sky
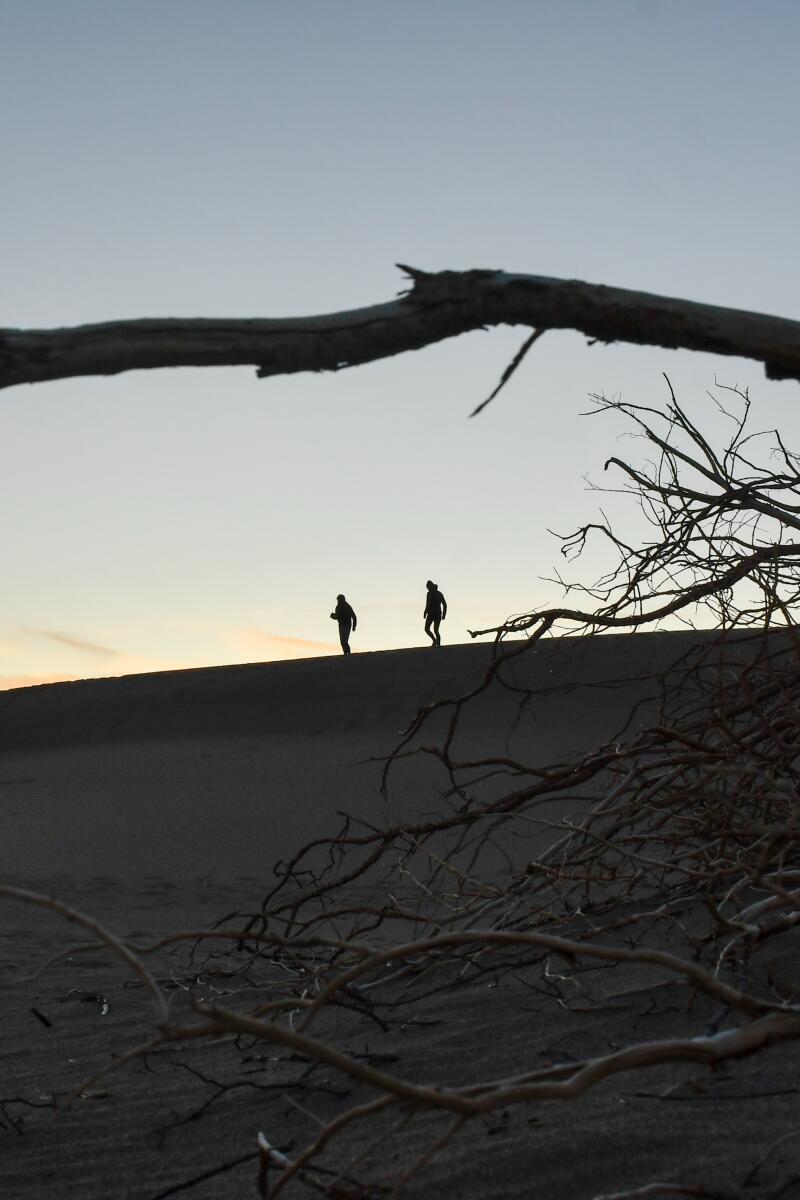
256,158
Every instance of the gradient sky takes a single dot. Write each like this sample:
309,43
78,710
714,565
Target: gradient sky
260,158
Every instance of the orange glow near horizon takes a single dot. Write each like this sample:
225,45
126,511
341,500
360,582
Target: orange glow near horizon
224,647
8,682
249,646
289,647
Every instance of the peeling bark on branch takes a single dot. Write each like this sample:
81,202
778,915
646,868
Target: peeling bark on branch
438,306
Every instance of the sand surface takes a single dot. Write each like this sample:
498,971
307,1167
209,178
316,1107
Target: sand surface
159,802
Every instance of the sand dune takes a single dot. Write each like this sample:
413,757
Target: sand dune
220,771
160,800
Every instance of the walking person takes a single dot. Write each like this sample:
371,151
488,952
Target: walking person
435,611
346,619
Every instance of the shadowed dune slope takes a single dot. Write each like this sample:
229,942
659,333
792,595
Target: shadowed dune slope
309,696
224,770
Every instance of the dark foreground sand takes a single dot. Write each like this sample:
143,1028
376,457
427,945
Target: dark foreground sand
156,803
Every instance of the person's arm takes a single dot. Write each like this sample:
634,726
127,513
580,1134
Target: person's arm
444,606
355,619
334,617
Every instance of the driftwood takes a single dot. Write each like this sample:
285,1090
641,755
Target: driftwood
437,306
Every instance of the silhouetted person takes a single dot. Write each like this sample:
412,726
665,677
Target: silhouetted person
346,618
435,611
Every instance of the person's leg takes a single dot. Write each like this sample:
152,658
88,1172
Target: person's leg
438,640
344,637
428,623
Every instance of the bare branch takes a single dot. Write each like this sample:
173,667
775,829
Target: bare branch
509,371
101,933
439,305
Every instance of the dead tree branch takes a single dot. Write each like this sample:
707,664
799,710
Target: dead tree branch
439,305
